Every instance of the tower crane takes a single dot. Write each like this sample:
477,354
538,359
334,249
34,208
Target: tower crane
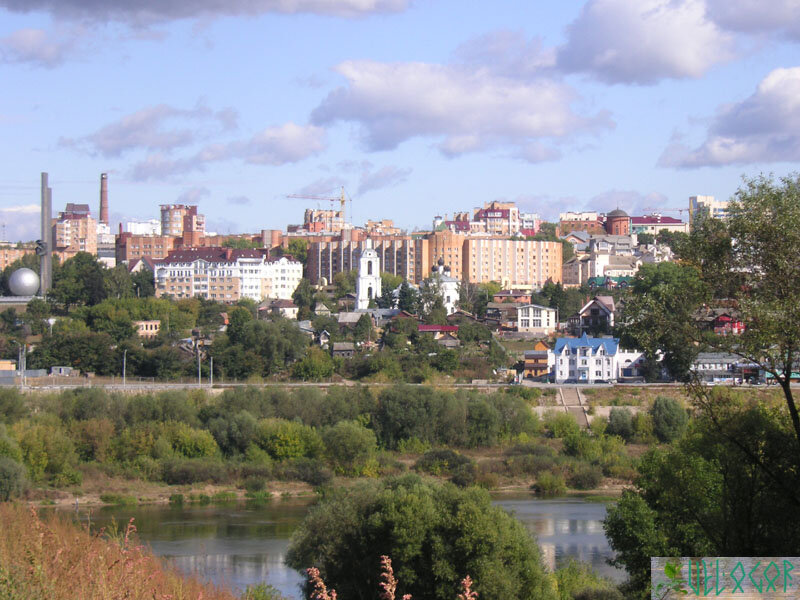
651,210
341,199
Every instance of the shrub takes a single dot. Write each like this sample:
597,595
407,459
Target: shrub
308,470
669,419
549,484
586,477
441,462
577,580
262,591
176,499
465,475
255,484
413,445
349,446
620,422
187,471
192,443
12,479
224,497
288,439
560,424
643,428
118,499
9,447
46,449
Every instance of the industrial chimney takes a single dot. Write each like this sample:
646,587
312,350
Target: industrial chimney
104,198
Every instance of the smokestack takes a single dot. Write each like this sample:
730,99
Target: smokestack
104,198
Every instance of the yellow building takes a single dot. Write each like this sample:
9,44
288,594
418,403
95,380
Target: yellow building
512,263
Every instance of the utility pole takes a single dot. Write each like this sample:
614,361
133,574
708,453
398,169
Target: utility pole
124,365
199,381
211,373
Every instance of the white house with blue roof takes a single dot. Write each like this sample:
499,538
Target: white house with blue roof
593,360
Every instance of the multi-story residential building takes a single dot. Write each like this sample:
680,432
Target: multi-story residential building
382,227
397,255
177,219
529,223
593,360
131,247
149,227
74,230
501,218
444,245
536,362
225,274
707,205
327,220
588,221
512,263
10,253
533,318
597,315
654,224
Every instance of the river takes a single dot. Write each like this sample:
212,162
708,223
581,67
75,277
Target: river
240,544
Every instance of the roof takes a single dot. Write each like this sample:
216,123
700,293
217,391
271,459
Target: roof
511,293
437,328
617,213
655,220
610,345
349,317
212,254
283,304
579,234
343,346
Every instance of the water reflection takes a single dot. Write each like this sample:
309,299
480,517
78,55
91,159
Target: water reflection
240,544
566,527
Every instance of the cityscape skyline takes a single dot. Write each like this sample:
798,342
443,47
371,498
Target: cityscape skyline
416,108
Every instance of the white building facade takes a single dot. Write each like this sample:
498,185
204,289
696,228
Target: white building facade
368,284
533,318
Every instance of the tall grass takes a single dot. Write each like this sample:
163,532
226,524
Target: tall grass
49,558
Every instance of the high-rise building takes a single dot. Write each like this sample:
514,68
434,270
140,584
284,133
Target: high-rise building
74,230
512,263
177,219
708,206
501,218
149,227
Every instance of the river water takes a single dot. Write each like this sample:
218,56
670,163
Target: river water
241,544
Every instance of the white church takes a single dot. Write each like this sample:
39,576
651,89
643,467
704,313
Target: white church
368,284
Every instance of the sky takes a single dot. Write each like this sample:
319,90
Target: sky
415,107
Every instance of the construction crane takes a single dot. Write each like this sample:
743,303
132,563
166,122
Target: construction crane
651,210
341,199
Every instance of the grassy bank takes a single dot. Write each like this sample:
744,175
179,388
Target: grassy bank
49,558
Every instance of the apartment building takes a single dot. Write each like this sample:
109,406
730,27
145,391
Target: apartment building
588,221
10,253
397,255
176,219
501,218
75,230
130,247
226,275
707,205
512,263
148,227
533,318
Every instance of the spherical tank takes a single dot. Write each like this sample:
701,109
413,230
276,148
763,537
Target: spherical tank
23,282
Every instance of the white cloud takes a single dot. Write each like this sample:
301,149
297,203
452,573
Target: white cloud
757,16
464,109
160,128
384,177
507,53
22,223
145,12
279,145
36,46
633,202
324,187
644,41
763,128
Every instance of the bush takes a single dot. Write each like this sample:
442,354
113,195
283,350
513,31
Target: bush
586,477
550,484
255,484
12,479
441,462
577,580
8,447
176,499
308,470
669,419
262,591
620,422
560,424
193,443
224,497
609,594
413,445
187,471
349,446
288,439
118,499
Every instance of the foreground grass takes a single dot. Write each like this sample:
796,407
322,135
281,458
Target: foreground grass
49,558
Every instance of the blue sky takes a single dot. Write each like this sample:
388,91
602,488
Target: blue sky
417,107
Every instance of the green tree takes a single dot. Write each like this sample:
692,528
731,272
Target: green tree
298,248
659,317
349,446
435,534
620,422
80,280
669,419
240,243
303,297
117,282
363,329
36,313
408,299
344,283
143,283
238,318
646,238
317,365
